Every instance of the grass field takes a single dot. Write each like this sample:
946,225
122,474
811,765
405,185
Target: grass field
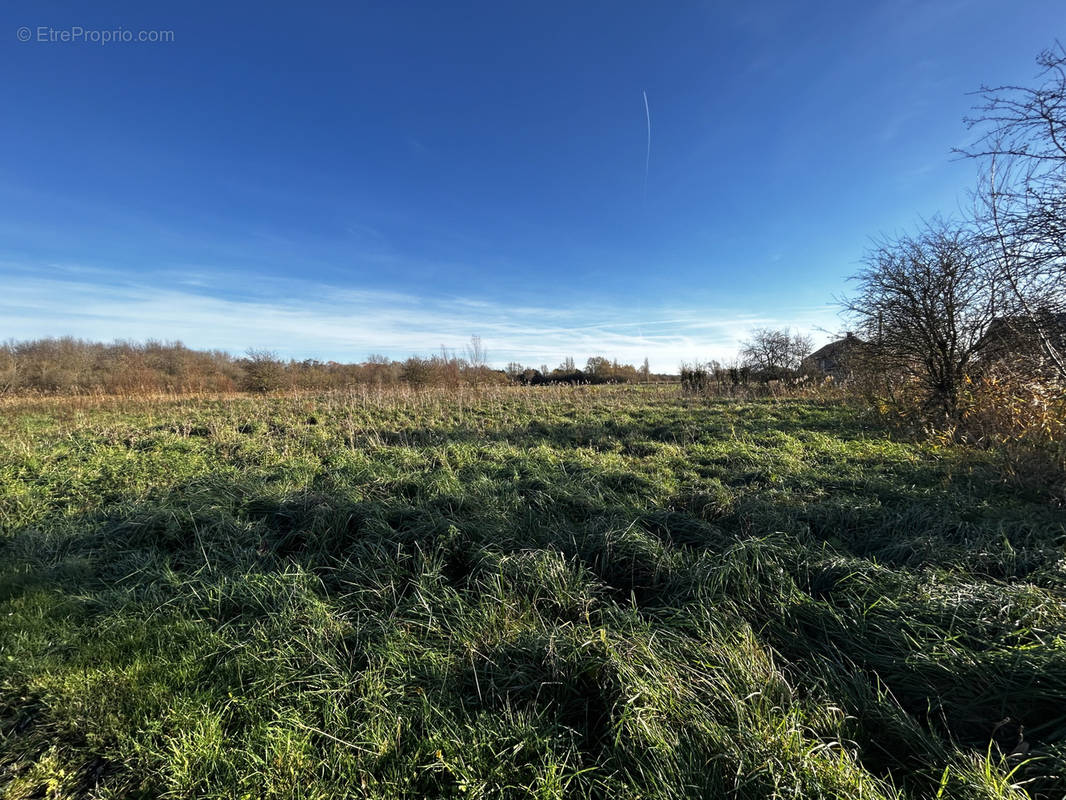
611,592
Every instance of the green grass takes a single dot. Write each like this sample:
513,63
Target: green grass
549,593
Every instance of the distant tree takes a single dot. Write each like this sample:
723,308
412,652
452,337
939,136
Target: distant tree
598,368
774,353
476,354
925,303
378,369
477,360
645,371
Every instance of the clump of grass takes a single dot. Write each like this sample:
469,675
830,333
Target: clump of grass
583,591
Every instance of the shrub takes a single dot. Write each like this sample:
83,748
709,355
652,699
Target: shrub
695,378
1024,419
262,372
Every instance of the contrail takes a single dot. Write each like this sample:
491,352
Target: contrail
647,157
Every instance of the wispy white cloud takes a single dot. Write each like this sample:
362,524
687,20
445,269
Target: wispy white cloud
302,319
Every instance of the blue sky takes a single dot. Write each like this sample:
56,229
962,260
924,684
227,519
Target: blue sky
333,180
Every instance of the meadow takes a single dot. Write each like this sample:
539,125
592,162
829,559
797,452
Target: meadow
613,592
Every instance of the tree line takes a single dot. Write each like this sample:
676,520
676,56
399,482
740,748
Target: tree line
68,366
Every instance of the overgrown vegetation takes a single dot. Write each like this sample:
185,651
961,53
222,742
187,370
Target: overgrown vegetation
72,366
567,592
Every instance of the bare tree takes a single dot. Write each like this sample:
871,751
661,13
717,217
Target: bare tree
925,303
775,354
1021,201
476,354
477,358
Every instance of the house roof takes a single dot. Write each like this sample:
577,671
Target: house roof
834,349
1013,326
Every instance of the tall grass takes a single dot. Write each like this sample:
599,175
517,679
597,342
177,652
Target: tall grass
567,592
